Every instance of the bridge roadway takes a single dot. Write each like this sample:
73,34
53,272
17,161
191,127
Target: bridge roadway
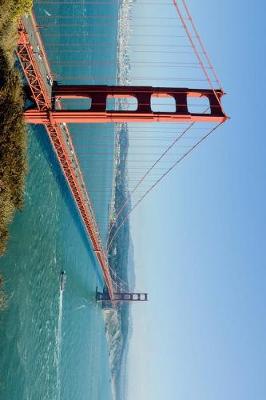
31,54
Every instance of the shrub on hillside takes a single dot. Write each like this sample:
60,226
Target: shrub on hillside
13,165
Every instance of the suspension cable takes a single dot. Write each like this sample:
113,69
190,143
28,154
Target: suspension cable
149,170
194,47
204,51
160,179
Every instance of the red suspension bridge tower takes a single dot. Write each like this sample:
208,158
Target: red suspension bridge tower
48,111
98,113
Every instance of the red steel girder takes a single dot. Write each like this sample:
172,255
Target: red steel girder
42,99
82,116
98,113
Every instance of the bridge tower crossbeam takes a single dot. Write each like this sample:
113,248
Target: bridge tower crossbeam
98,112
121,297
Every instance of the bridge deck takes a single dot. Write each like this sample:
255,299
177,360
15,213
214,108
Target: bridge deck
62,144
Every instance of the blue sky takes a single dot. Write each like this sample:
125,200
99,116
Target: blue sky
200,238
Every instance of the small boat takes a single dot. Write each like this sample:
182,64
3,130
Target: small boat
62,280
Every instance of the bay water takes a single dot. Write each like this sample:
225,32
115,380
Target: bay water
53,344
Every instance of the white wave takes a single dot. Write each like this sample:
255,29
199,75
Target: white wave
80,308
59,342
47,13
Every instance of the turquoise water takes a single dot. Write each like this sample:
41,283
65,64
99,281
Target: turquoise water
37,361
54,346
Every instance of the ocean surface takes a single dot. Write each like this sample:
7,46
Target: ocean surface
53,344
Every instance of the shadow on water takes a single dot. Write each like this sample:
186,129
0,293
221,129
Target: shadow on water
50,156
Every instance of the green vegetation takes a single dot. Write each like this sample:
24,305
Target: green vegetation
13,164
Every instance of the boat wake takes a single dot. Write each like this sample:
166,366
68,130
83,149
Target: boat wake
59,341
80,307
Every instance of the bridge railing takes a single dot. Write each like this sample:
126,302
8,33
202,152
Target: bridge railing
64,149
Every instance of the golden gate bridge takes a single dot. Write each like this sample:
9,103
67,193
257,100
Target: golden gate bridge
122,103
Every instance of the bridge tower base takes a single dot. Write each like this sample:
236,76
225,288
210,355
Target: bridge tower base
120,296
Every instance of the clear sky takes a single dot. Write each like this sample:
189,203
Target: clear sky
200,238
